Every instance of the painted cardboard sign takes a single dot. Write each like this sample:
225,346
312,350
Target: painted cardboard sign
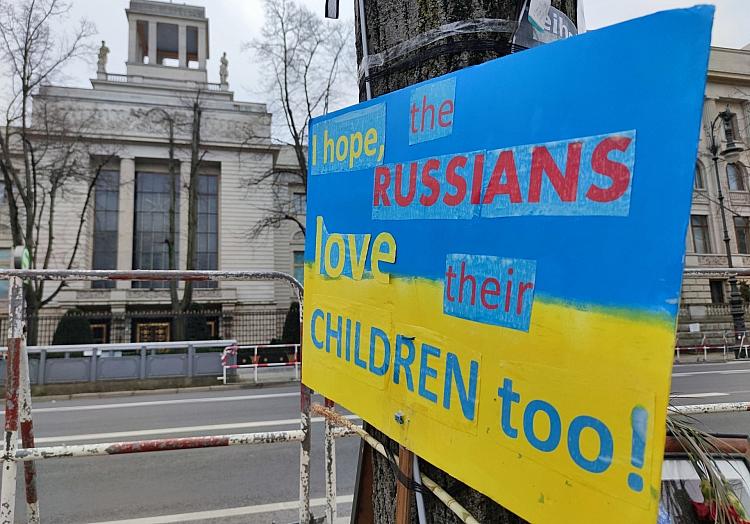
508,282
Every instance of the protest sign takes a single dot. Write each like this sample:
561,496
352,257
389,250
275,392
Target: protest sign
493,264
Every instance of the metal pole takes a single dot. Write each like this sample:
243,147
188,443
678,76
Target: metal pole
440,493
304,456
365,52
736,305
330,462
12,379
27,437
421,512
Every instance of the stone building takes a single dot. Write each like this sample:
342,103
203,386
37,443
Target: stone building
705,300
128,224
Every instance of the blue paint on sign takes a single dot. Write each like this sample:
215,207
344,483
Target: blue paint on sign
431,110
588,176
350,141
492,290
427,188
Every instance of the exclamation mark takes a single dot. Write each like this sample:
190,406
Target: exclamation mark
639,423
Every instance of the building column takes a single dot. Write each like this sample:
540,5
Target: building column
184,204
132,41
202,47
125,218
182,45
710,110
152,43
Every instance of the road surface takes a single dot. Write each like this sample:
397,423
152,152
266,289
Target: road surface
234,484
258,484
713,383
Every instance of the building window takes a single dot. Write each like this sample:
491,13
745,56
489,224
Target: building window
141,30
167,44
699,228
106,206
299,203
731,130
698,181
742,231
191,35
100,332
152,331
299,266
207,236
153,200
717,291
6,262
736,177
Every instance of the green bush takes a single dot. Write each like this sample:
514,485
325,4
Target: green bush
290,334
196,328
73,328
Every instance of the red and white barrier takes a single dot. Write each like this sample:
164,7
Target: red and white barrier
233,350
740,343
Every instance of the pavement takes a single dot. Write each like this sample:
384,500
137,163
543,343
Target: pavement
714,382
228,485
258,484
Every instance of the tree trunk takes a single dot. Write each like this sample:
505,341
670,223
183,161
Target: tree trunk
33,305
390,23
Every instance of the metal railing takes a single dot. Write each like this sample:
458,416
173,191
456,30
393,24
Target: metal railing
18,419
229,359
258,325
702,342
117,77
92,362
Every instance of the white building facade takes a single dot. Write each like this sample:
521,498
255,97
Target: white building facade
705,301
127,222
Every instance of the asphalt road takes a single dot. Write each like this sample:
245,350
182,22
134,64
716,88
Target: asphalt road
715,382
258,484
234,484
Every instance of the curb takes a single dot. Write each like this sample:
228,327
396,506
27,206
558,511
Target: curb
163,391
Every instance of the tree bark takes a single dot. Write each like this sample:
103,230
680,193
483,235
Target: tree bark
390,23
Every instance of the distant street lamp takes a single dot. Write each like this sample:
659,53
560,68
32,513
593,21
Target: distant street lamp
736,304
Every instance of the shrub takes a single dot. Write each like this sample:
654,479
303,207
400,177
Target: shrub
290,334
73,328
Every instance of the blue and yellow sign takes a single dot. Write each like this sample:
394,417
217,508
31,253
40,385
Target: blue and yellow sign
496,255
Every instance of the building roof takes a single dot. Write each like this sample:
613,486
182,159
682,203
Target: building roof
152,7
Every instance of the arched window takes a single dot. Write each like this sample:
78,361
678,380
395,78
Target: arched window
698,180
736,177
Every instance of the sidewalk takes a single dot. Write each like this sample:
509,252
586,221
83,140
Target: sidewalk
712,356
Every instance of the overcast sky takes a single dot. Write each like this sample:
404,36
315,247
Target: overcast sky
233,22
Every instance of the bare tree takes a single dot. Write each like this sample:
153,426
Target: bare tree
48,161
189,122
309,63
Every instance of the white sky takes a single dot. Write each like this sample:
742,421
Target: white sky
233,22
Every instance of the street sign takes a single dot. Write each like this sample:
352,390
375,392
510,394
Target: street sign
332,8
555,26
493,265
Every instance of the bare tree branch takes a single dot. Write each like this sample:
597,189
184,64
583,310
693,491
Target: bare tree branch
304,57
42,162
